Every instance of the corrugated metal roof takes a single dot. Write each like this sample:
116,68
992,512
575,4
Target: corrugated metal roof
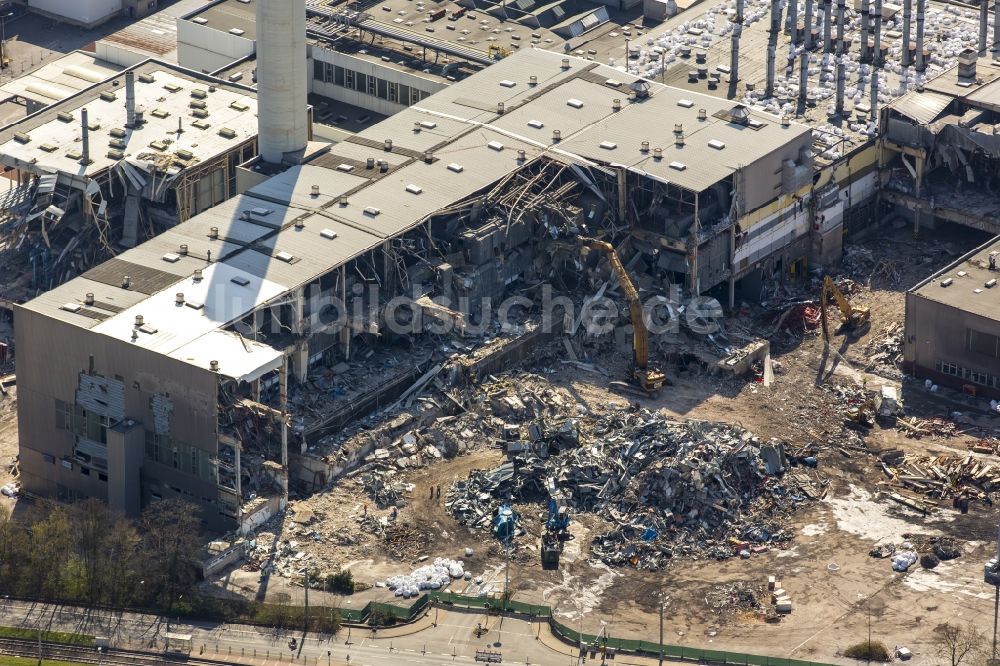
313,254
923,107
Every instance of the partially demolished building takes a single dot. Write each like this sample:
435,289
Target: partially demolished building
118,162
167,371
941,149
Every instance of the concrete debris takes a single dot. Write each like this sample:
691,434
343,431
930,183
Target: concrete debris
692,488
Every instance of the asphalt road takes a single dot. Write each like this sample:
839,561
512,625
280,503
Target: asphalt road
452,640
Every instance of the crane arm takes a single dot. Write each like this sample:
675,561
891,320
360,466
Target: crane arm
640,337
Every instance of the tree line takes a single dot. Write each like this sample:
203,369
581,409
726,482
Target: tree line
87,554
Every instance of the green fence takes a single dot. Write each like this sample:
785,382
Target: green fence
570,635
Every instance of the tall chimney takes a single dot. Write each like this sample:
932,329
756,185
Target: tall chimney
984,17
865,25
873,102
281,78
85,135
827,26
792,20
772,46
841,77
841,11
907,11
734,60
921,64
807,27
803,78
877,39
129,98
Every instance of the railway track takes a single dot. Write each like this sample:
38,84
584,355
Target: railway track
87,655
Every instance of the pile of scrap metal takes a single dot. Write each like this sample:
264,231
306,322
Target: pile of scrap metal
685,487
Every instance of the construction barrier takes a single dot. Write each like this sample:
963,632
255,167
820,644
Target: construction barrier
574,637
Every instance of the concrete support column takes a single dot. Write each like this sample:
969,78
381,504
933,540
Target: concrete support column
283,406
345,331
907,59
237,448
300,356
917,191
921,62
694,283
622,195
126,450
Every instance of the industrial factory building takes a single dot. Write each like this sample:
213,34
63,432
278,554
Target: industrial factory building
952,333
941,148
161,373
121,160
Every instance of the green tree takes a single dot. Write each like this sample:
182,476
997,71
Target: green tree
170,547
13,551
51,546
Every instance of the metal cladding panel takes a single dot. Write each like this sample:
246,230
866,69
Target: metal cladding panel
162,409
923,107
102,395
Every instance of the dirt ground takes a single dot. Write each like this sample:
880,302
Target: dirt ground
836,587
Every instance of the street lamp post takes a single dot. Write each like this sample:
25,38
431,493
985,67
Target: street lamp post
663,603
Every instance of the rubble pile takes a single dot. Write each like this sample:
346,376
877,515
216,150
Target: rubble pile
944,477
666,486
884,352
736,598
929,551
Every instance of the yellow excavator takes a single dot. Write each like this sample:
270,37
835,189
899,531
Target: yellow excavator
649,380
854,318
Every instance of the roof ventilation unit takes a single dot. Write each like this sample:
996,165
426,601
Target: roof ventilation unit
556,136
213,233
213,366
565,63
946,282
532,80
183,250
575,103
495,145
227,133
89,298
139,321
644,147
457,168
388,145
657,153
414,189
500,108
616,104
179,298
315,191
126,282
372,211
428,157
328,234
679,140
702,114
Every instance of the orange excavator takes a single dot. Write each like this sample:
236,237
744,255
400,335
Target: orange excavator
854,318
650,380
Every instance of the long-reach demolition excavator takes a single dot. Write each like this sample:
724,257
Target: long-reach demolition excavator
854,318
650,380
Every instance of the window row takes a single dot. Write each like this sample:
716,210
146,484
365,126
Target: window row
368,84
974,376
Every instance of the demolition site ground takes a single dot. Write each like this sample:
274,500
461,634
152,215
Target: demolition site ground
777,481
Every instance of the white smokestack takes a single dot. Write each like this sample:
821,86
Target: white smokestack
281,78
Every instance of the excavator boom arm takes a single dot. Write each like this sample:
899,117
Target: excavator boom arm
640,337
